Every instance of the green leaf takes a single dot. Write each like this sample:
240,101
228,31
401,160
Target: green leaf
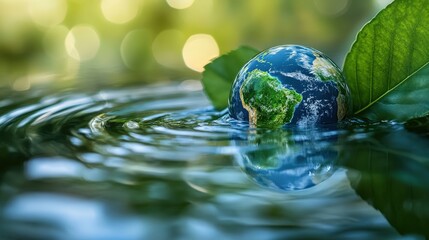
387,68
219,75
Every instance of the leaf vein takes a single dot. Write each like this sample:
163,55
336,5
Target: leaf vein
357,80
371,90
391,50
390,90
411,48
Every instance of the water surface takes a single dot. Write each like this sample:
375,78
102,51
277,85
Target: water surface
158,162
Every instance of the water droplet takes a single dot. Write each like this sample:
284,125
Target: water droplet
131,125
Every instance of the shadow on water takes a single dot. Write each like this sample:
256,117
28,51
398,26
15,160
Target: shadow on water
160,163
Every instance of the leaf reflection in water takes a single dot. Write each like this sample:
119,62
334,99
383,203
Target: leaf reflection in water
394,173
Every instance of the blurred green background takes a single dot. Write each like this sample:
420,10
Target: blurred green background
108,42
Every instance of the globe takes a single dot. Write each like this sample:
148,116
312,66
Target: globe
289,84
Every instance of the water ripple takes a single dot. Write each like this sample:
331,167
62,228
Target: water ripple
136,124
165,150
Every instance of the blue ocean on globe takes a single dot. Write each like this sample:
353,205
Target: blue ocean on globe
289,84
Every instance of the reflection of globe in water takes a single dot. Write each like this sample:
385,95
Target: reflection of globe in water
289,84
283,165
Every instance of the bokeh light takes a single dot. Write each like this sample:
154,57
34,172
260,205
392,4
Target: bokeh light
144,41
47,12
199,49
167,48
120,11
332,7
180,4
21,84
82,42
135,49
383,3
191,85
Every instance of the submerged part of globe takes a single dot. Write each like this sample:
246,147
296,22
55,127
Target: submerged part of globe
289,84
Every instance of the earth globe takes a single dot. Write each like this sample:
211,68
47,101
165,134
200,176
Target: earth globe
289,84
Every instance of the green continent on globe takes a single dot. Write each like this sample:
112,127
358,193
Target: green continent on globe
268,102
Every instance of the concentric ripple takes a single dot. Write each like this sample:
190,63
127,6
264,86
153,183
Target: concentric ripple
166,154
137,130
165,130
